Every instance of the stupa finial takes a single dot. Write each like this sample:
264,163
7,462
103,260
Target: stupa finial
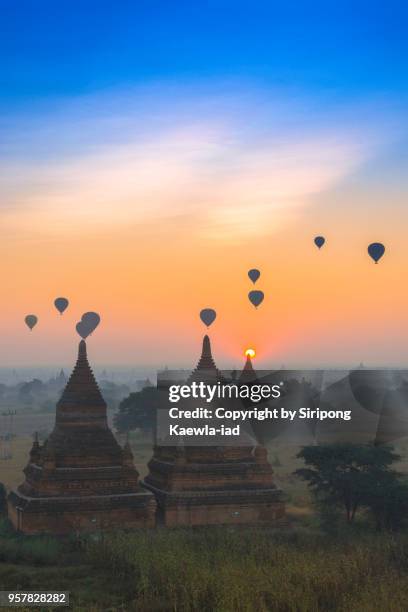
82,350
82,388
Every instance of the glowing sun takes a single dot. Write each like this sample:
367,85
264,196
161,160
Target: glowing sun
250,353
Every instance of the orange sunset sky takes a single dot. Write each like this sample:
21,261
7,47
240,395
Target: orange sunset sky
148,196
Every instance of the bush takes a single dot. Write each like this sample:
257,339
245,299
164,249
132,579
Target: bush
17,548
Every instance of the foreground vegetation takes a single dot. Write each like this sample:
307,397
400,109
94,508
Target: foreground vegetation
217,569
325,560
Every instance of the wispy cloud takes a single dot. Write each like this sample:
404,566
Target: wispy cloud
235,164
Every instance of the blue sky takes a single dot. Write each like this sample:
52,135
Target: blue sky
61,48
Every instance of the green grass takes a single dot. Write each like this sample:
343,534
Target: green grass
89,589
218,569
222,570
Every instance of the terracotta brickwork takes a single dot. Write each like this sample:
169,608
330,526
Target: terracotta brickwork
80,479
207,485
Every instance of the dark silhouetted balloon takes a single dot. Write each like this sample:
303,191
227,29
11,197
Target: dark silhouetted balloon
376,250
82,329
61,304
208,315
88,323
31,321
256,297
92,319
254,274
319,241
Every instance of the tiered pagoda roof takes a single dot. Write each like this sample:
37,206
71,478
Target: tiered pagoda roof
248,373
80,477
201,484
206,367
81,390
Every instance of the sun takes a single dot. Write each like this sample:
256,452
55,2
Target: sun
250,352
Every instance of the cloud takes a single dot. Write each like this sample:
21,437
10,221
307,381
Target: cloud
236,165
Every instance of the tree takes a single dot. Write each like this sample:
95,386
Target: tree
138,411
349,475
3,499
387,499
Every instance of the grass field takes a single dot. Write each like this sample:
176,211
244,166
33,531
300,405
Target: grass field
216,569
11,473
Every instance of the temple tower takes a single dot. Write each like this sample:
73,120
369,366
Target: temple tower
248,374
80,479
208,485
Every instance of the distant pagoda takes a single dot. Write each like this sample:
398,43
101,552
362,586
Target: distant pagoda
208,485
80,479
248,374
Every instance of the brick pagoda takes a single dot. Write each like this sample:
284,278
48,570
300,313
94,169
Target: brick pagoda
208,485
80,479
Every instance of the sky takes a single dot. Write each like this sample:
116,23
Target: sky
152,152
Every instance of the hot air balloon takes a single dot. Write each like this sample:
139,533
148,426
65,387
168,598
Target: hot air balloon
376,251
254,274
256,297
92,319
61,304
208,315
88,323
31,321
82,329
319,241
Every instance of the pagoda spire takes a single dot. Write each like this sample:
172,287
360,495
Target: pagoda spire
206,365
248,373
81,388
35,450
206,361
248,364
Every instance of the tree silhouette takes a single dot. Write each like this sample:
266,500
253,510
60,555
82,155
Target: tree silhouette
352,476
